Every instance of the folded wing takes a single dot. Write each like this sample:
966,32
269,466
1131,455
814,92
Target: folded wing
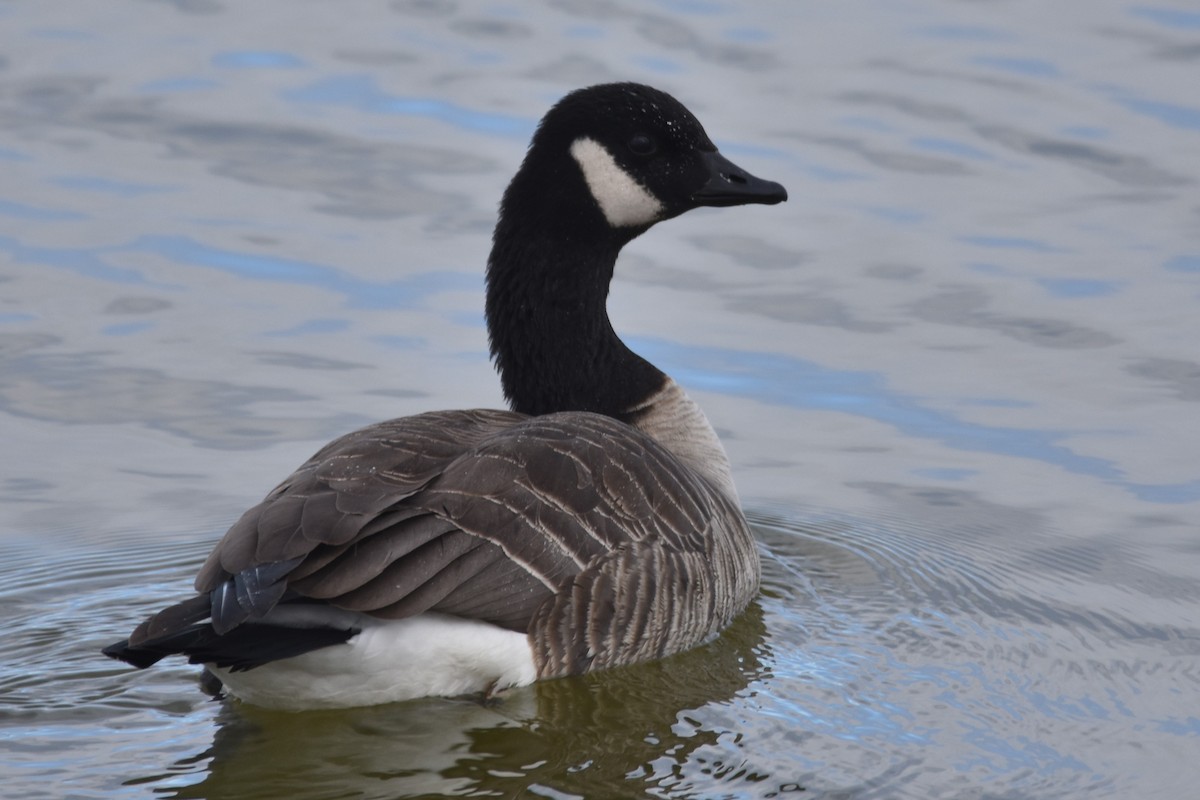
488,515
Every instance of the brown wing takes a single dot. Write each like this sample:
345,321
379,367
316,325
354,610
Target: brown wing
483,514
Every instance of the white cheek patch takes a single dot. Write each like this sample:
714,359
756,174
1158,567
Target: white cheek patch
624,201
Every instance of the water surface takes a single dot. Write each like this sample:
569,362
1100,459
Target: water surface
956,373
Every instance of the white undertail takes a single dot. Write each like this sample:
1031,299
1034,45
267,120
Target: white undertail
388,661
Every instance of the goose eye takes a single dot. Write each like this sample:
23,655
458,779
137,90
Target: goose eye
641,144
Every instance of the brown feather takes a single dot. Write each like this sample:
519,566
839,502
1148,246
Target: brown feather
575,527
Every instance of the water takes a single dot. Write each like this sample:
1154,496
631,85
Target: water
957,375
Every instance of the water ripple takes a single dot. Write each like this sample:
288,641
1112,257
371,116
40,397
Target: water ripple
889,637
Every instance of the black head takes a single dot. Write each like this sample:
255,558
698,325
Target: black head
605,164
625,156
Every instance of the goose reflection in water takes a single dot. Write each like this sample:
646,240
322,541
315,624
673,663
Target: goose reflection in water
572,735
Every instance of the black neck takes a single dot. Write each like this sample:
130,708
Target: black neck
548,322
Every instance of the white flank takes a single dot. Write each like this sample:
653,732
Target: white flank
624,201
391,660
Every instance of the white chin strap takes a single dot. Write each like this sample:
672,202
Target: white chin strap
624,201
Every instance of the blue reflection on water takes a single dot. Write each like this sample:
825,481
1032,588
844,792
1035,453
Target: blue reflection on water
84,261
860,715
663,66
1171,17
172,85
411,292
186,250
1031,67
312,326
1022,753
9,208
399,342
127,328
1189,726
257,59
951,147
966,33
1072,288
784,380
92,183
946,473
1010,243
1184,263
699,7
854,705
832,174
1177,116
361,92
902,216
996,402
16,316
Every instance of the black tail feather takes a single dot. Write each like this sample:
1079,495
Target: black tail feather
137,656
179,631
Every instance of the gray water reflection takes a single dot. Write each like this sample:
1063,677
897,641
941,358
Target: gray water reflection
384,183
956,375
85,389
967,306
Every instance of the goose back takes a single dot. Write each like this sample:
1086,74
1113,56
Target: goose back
574,527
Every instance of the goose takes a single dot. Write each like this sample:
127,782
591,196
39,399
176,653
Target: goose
594,524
